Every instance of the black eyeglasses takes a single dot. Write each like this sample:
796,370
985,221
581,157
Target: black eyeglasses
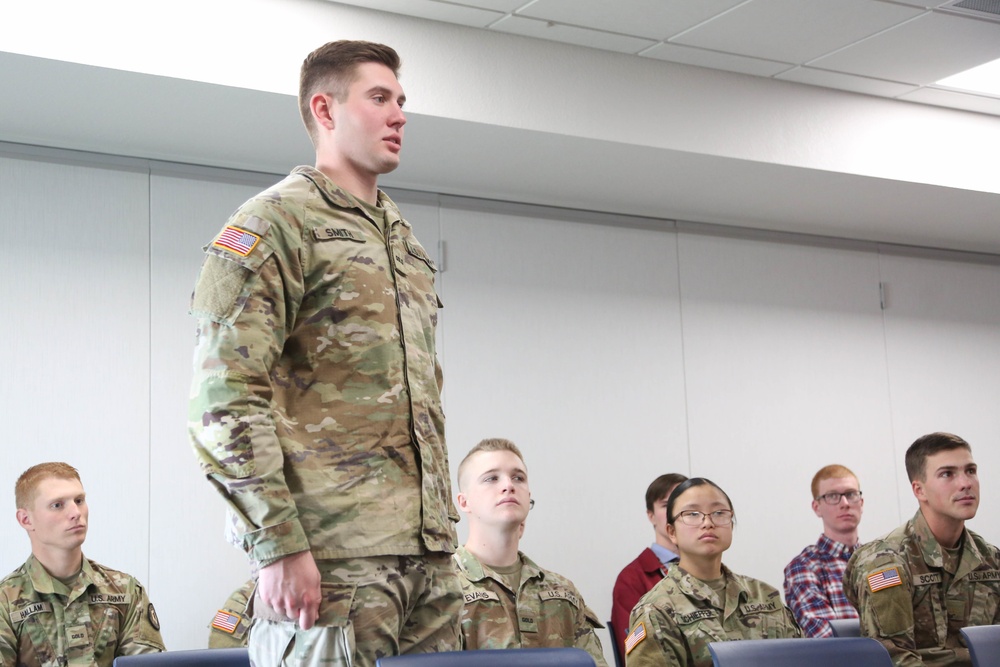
834,497
693,518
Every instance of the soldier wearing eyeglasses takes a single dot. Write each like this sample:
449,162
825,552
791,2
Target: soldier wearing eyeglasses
814,588
700,600
916,587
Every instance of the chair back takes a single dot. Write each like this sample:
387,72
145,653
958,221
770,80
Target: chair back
854,651
506,657
209,657
846,627
619,658
984,644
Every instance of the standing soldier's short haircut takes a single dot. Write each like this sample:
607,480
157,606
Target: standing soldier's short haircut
830,472
489,445
26,488
331,68
928,445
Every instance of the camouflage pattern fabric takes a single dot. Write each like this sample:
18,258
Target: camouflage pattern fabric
371,608
674,622
546,611
237,609
315,407
917,616
44,623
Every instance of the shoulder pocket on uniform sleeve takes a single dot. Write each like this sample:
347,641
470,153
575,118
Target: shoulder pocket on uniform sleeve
225,282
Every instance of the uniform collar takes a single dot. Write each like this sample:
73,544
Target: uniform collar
476,571
337,196
45,583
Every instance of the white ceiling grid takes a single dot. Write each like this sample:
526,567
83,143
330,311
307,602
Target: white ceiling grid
888,48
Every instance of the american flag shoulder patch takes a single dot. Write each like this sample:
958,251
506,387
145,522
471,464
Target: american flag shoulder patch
635,637
886,578
237,240
225,621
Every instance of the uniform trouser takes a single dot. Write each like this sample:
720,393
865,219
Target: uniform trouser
370,608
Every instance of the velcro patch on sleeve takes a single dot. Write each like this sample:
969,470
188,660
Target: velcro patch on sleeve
237,240
884,579
635,637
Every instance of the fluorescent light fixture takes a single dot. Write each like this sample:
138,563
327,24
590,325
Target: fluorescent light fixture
984,79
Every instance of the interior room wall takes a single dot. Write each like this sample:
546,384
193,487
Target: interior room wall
610,349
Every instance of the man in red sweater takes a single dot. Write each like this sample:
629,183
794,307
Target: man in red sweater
645,571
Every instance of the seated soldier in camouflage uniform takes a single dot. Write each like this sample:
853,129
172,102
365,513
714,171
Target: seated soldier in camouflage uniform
510,602
60,608
700,600
916,587
230,627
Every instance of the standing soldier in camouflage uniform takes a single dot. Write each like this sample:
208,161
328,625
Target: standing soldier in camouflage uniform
60,608
316,407
700,600
509,601
916,587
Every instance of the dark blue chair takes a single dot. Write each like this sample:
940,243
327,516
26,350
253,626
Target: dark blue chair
214,657
846,627
507,657
854,651
984,644
619,658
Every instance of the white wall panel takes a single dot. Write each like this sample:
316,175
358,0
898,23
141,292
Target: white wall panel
943,333
564,337
75,346
786,373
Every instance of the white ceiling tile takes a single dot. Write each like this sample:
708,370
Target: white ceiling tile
920,51
714,60
794,31
596,39
653,19
431,9
855,84
954,100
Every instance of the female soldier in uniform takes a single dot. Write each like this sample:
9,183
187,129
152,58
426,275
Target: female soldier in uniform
701,600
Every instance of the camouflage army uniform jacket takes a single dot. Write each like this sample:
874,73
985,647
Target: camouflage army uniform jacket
44,623
230,628
547,610
917,608
673,624
315,406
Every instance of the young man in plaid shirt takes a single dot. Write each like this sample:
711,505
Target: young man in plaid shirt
814,587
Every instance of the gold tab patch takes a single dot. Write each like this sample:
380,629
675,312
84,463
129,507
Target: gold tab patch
236,240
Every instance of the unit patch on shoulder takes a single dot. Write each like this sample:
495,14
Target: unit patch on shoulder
635,637
884,579
225,621
237,240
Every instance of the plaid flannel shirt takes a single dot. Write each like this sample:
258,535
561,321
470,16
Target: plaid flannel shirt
814,588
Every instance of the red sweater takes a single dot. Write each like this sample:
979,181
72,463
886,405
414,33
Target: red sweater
633,582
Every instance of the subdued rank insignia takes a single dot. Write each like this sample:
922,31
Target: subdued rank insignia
635,637
884,579
225,621
237,240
